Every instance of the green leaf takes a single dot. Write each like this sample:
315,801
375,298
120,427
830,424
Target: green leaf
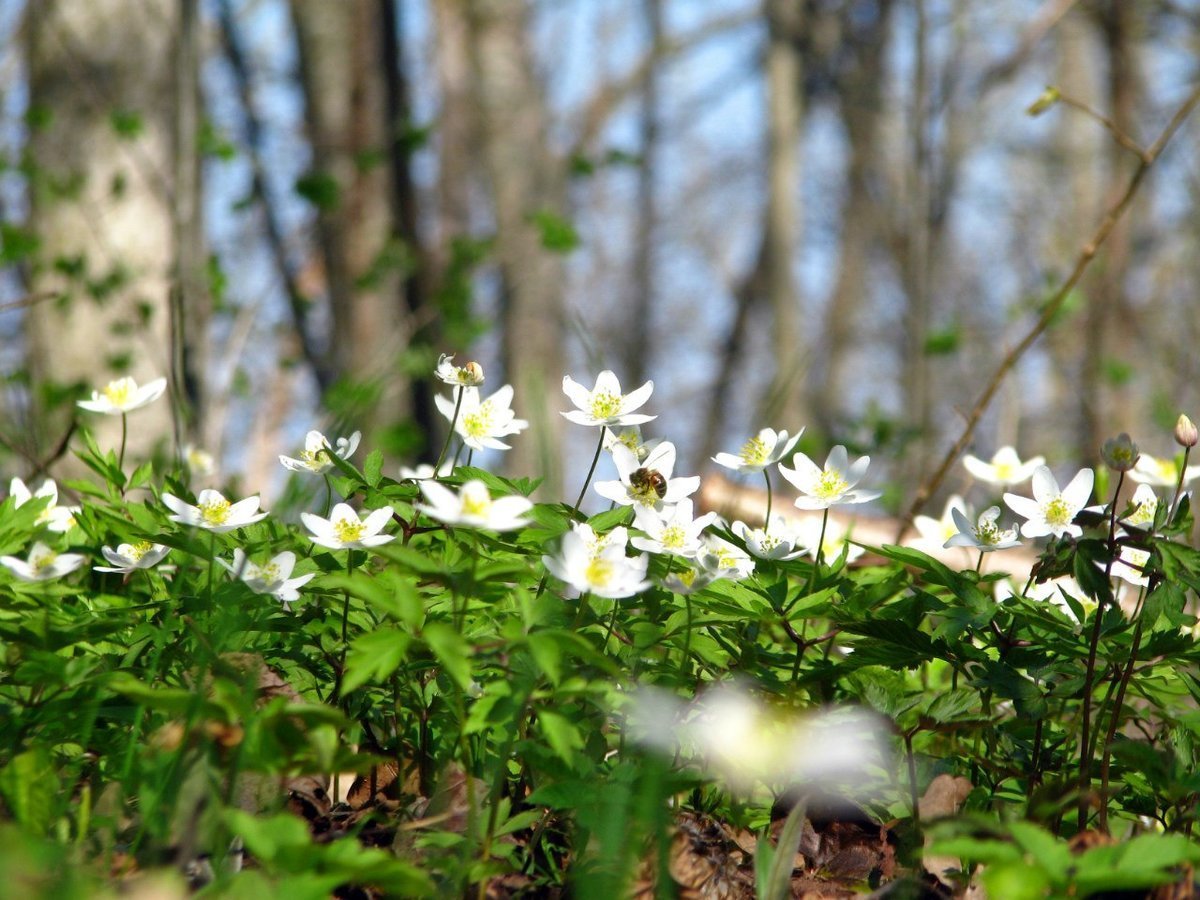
29,785
560,732
268,837
374,656
451,650
373,467
558,235
547,653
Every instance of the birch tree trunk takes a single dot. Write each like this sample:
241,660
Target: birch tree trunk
101,80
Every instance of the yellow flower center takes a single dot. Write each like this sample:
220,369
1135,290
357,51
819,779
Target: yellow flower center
476,501
316,460
43,561
768,543
1144,513
830,485
214,512
673,536
138,550
754,452
478,424
599,572
1005,471
1058,513
687,577
268,573
348,530
986,532
1166,470
119,392
605,405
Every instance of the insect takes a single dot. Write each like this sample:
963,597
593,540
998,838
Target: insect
649,479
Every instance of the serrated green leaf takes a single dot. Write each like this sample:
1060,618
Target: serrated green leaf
374,656
451,650
561,734
373,468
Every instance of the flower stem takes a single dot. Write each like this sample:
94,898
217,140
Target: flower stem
1085,749
767,523
212,555
437,469
121,454
592,470
328,497
979,562
1179,484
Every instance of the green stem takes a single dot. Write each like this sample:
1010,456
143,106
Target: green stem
1179,484
767,524
212,555
979,562
592,470
121,455
1085,754
437,469
328,496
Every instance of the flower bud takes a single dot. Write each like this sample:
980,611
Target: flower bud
1119,453
472,373
1185,432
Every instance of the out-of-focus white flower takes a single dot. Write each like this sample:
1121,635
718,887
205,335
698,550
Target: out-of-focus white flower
604,570
1161,472
691,578
604,405
425,470
738,738
1005,469
1130,566
764,449
199,462
821,488
42,564
130,557
315,455
933,533
1145,505
837,540
672,531
480,423
1052,511
54,517
469,375
778,543
1051,591
273,578
123,396
473,507
344,530
213,512
649,482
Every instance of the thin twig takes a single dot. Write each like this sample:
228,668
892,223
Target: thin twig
1118,135
1086,255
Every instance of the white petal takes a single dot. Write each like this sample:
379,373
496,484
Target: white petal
1077,493
576,393
1045,487
637,398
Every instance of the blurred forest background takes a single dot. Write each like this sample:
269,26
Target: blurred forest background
828,213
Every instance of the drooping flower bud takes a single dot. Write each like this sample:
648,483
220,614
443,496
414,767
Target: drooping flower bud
1185,432
1120,453
472,373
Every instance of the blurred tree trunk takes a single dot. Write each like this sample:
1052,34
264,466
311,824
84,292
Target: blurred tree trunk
638,345
859,84
1109,354
785,400
344,75
526,183
101,81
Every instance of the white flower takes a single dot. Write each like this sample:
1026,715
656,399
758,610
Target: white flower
481,422
823,488
1005,469
1052,591
470,375
123,396
473,506
985,535
1130,566
213,512
692,578
725,560
765,449
128,557
779,543
199,462
1145,505
837,540
605,404
345,530
604,571
42,564
673,531
274,578
745,741
935,532
314,457
631,437
1052,511
1161,472
54,517
647,482
425,470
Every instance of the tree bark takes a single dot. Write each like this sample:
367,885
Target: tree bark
101,79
